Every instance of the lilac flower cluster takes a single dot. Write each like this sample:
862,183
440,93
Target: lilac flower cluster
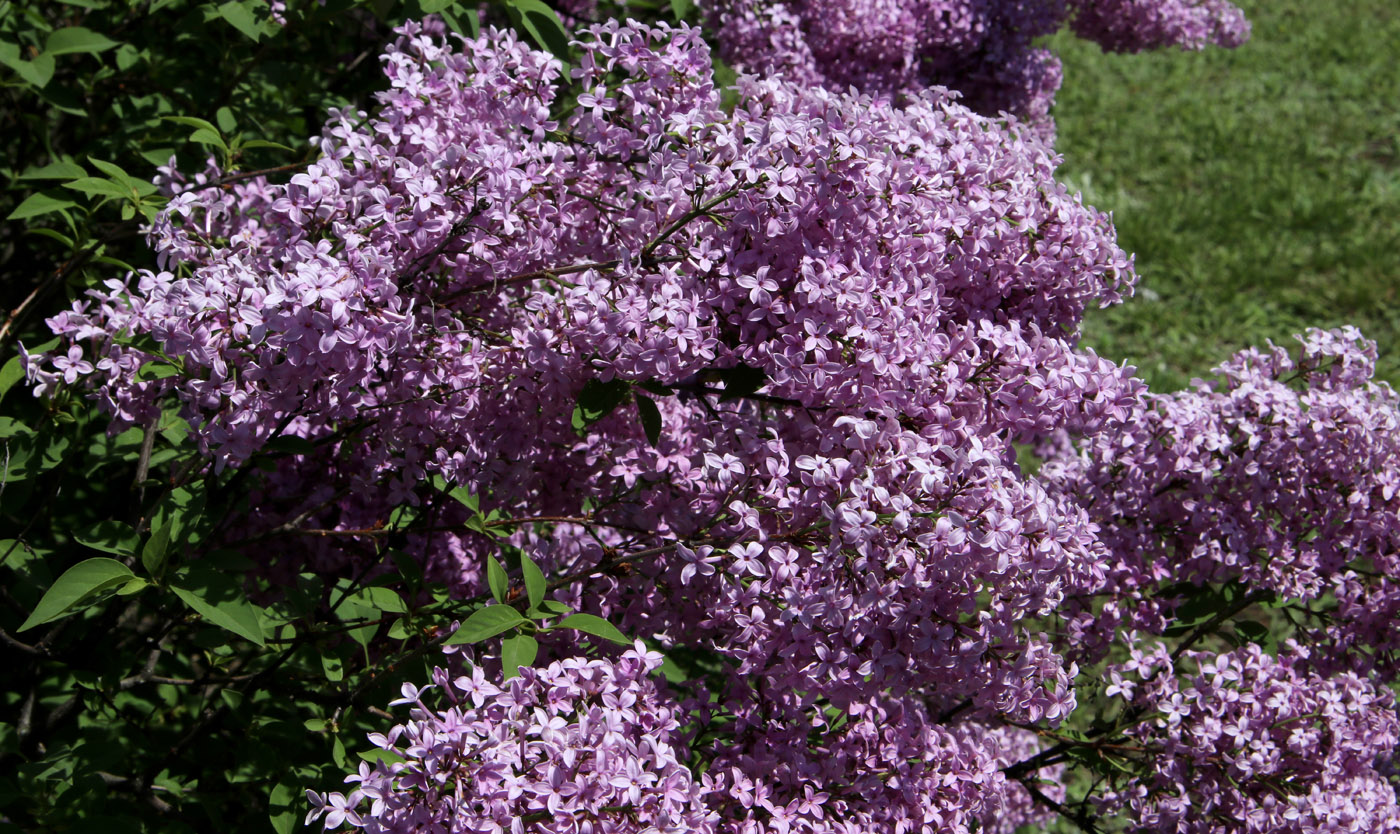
592,745
456,269
821,323
984,49
1252,743
1135,25
1283,477
576,746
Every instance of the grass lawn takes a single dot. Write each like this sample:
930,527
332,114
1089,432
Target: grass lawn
1259,187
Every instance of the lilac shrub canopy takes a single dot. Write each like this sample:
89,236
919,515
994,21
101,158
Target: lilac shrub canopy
1281,477
984,49
1243,741
749,386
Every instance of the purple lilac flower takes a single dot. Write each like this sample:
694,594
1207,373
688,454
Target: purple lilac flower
983,49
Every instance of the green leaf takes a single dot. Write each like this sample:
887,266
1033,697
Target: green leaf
10,373
78,587
464,497
1253,632
672,672
37,72
1199,606
240,16
191,121
263,143
681,8
77,39
496,579
110,537
155,554
224,117
284,808
122,178
402,516
128,56
534,580
156,370
542,25
597,400
333,666
462,21
375,600
486,622
98,186
209,137
182,508
378,755
60,170
219,599
651,418
42,231
409,568
135,586
10,427
519,650
34,454
39,204
433,6
157,155
64,99
740,381
594,625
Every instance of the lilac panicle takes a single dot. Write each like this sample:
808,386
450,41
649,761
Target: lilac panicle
983,49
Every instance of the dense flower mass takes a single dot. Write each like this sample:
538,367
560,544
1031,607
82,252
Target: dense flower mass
1135,25
1248,742
1283,477
750,385
575,746
981,48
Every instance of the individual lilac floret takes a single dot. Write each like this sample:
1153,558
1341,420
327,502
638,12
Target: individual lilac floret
576,746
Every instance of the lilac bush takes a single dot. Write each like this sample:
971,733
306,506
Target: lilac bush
751,387
1282,476
984,49
1248,742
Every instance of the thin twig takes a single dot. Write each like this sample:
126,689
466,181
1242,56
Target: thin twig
247,175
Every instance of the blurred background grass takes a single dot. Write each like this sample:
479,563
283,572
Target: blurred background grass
1259,187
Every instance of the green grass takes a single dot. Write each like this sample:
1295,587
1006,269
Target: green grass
1259,187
